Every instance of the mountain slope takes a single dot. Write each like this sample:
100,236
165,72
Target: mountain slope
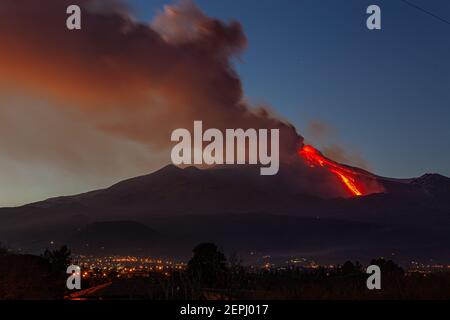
414,211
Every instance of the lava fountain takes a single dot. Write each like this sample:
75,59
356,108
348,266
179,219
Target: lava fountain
347,176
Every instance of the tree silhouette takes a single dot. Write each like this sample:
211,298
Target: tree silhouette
3,250
208,266
351,269
388,267
58,259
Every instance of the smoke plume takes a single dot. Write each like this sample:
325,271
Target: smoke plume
133,80
136,80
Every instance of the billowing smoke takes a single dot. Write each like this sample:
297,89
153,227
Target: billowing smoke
136,80
325,136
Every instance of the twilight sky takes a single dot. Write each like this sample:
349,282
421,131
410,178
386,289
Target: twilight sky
374,98
385,94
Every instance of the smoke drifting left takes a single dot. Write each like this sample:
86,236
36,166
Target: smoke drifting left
140,81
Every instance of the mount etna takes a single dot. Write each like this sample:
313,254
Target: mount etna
167,212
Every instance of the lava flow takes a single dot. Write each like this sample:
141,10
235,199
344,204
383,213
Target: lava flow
345,175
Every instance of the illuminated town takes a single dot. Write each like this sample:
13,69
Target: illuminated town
132,266
125,266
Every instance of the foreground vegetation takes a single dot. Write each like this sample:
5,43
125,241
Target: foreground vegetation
209,275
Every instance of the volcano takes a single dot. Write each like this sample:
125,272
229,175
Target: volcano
241,210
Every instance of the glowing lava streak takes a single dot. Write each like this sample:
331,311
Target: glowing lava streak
314,157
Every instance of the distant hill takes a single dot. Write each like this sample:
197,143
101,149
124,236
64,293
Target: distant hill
112,237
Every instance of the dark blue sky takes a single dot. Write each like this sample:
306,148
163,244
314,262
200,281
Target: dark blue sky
387,93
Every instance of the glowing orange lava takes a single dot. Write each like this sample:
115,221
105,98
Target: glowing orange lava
345,175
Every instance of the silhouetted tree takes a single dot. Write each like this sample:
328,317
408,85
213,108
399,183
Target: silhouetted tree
3,250
236,274
351,269
59,260
388,267
392,277
208,266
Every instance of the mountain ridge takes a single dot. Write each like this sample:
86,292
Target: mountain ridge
169,198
